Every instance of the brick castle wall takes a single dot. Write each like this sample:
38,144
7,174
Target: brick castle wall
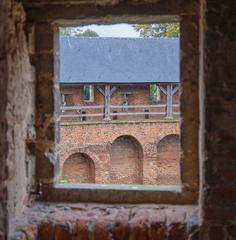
125,161
109,222
79,167
141,152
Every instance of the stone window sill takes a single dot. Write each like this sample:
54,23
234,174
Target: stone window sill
122,194
99,221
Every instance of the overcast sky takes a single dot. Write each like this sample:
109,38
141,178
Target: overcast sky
116,30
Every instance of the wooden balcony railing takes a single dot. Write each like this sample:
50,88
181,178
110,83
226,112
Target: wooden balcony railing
95,111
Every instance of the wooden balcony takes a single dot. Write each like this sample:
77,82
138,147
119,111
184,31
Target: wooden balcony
117,112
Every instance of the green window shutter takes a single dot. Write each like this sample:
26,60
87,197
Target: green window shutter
153,92
87,92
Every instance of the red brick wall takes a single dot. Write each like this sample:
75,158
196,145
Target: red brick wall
168,160
126,160
96,140
106,222
79,168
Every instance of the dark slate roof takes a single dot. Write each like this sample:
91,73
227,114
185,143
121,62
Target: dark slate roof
119,60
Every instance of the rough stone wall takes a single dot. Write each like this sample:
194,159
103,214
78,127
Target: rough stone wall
140,96
3,127
108,222
218,74
46,15
16,114
96,141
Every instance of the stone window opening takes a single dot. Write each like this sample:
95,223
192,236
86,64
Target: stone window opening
137,101
215,204
179,194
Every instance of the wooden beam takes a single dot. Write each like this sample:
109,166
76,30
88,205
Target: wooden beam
101,91
81,115
81,107
163,90
140,106
107,103
87,11
175,89
169,101
114,114
67,108
137,113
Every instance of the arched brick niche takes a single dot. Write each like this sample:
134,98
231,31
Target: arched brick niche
78,167
168,160
126,161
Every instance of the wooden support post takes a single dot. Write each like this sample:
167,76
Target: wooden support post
162,89
107,93
169,102
107,103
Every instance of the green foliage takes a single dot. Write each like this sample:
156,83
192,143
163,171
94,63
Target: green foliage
69,31
77,32
88,33
158,30
65,181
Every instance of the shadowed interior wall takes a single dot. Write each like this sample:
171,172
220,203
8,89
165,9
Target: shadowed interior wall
218,122
126,160
79,168
168,164
16,115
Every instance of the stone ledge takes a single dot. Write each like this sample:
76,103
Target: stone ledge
99,221
119,122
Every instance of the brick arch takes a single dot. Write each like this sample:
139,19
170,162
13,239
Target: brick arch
126,161
65,153
78,167
168,160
